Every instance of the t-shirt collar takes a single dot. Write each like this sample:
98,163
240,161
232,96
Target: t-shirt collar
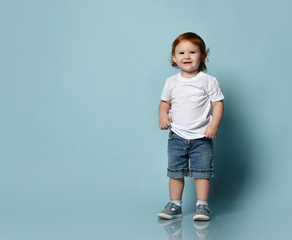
181,78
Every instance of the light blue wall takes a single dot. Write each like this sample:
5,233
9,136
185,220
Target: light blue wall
80,88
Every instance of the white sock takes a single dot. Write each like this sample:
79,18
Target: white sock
202,202
176,202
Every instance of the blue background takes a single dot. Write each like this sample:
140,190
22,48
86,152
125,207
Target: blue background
81,152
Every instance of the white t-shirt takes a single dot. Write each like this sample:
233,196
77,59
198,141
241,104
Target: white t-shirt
191,103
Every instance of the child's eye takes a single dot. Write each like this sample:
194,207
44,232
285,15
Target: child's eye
192,52
181,53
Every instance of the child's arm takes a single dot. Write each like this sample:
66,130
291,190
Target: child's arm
164,119
218,109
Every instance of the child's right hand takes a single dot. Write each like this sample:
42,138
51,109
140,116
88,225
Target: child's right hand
164,122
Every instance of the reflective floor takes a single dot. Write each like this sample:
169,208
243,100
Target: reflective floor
92,222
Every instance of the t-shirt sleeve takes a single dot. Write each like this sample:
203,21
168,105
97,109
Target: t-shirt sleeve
214,91
166,96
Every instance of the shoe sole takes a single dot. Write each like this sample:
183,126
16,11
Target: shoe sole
201,217
168,217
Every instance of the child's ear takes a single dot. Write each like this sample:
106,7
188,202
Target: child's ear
173,58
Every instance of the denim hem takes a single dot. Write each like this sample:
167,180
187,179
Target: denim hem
201,174
178,173
190,173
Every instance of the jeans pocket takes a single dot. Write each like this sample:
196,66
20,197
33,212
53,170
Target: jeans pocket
210,140
170,136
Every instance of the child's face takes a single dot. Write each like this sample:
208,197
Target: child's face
187,56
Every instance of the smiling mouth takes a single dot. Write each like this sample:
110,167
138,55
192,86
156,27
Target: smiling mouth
187,62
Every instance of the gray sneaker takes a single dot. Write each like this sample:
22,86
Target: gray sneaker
202,213
171,211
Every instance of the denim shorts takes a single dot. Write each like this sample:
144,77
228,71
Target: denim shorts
193,158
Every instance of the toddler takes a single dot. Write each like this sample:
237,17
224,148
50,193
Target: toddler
186,101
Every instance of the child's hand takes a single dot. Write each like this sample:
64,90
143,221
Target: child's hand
211,131
164,122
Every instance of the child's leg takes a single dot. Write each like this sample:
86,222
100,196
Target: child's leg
176,187
202,188
202,211
173,208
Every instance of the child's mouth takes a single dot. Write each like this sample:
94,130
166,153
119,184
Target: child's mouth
187,62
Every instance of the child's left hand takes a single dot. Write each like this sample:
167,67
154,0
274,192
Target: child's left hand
211,131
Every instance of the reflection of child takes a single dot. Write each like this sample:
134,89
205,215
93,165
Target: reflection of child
186,101
172,227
